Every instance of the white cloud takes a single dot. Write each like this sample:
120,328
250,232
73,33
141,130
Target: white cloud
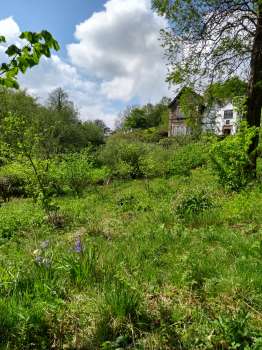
120,46
117,59
53,73
9,28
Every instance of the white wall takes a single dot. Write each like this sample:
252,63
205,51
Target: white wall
214,119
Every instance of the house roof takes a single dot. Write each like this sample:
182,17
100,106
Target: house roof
179,95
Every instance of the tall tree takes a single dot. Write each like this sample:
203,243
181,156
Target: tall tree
216,39
59,102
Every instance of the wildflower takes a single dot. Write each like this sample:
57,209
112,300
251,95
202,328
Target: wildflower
78,246
36,252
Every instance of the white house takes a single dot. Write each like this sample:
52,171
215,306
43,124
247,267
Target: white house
222,119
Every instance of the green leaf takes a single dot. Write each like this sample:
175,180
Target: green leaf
2,39
56,45
13,50
4,67
27,35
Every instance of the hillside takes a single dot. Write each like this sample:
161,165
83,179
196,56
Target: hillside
171,262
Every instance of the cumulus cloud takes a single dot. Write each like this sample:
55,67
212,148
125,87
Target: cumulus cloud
120,46
11,31
117,58
9,28
53,73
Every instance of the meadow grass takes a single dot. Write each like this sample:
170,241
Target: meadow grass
128,271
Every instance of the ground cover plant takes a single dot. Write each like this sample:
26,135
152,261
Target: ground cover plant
153,260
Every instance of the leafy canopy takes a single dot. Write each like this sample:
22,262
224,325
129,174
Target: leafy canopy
207,38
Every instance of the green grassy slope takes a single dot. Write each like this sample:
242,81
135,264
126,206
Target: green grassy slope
128,272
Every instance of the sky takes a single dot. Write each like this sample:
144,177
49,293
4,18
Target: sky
110,54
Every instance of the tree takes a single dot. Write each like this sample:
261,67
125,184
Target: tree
216,39
23,140
20,59
223,91
92,133
100,123
58,100
147,116
192,106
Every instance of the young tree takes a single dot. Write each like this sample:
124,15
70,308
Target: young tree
216,39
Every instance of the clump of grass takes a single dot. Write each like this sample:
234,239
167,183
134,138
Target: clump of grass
194,203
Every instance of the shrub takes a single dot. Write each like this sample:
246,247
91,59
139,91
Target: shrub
14,180
73,172
99,175
187,158
123,157
230,159
155,163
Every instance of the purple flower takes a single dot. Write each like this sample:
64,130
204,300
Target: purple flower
78,246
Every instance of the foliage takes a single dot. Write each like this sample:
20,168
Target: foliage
122,157
60,129
193,203
189,157
230,158
73,171
192,105
147,116
36,46
222,92
23,140
208,50
11,186
134,159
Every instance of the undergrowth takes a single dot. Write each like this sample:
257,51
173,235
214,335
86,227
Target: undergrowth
142,264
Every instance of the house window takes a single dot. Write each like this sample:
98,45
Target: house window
228,114
227,122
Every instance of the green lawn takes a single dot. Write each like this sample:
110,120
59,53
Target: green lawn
129,271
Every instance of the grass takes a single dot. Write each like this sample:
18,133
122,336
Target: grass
128,272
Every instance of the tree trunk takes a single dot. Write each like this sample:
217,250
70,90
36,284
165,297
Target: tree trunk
254,103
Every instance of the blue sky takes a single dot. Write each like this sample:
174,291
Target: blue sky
58,16
110,54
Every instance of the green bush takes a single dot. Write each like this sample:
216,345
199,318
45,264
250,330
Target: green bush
230,159
73,172
123,157
155,163
187,158
19,176
135,159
